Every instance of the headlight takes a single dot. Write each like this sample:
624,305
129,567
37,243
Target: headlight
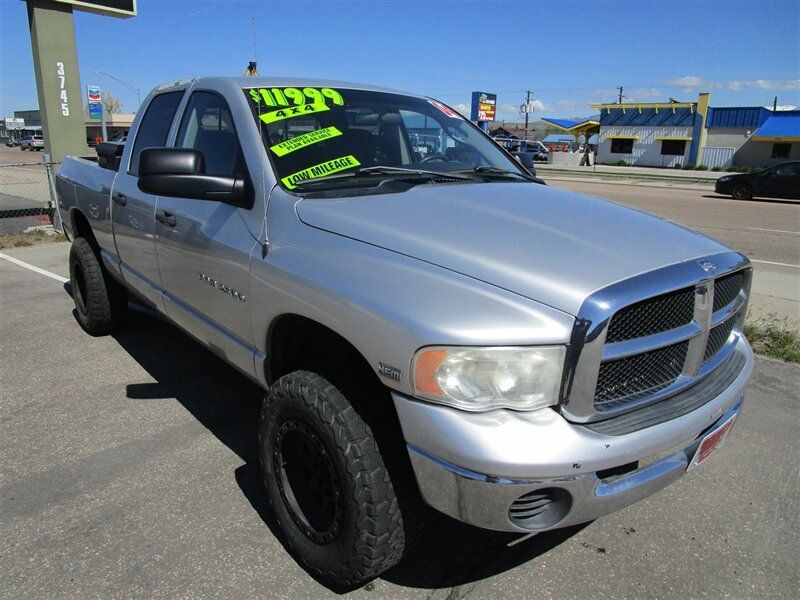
725,178
520,378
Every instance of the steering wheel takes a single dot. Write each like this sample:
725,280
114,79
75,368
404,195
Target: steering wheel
433,157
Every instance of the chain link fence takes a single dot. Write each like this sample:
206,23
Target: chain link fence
27,194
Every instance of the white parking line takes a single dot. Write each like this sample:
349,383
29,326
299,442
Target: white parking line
769,262
775,230
32,268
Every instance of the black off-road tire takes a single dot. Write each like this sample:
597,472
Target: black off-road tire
358,531
742,191
100,302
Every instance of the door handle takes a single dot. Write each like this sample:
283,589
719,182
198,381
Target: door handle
166,218
120,199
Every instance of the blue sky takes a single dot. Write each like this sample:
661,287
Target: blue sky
569,53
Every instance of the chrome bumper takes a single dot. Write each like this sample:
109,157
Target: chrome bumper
474,466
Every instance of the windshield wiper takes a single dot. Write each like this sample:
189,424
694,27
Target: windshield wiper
490,170
384,170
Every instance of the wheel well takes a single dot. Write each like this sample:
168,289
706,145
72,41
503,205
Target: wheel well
296,342
82,229
299,343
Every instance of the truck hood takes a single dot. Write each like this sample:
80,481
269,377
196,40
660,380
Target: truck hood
552,246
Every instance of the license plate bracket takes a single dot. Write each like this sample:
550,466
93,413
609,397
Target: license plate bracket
712,441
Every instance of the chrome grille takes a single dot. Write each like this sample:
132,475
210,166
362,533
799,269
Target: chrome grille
718,336
653,315
629,379
648,338
726,289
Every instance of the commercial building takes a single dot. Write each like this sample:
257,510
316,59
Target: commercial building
751,137
658,134
680,134
27,122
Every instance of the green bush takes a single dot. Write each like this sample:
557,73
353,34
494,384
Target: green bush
701,168
716,168
688,167
676,166
620,163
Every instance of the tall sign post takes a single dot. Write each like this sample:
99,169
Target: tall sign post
94,100
55,63
484,109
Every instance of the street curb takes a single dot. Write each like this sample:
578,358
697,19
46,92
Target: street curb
662,184
543,170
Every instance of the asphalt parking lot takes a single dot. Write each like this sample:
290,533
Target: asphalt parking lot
128,469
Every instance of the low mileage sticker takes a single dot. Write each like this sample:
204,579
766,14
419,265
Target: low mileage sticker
326,168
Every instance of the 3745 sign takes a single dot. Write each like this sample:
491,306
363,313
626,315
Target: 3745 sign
62,81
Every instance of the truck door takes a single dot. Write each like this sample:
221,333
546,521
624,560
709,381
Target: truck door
204,246
133,211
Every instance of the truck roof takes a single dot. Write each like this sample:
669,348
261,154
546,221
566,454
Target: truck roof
248,82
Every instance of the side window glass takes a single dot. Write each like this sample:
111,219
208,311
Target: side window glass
155,125
207,126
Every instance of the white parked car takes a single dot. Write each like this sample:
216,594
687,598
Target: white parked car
32,142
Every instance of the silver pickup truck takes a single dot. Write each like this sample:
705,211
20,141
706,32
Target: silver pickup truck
432,325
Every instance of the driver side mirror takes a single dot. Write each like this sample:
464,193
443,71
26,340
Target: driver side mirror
181,173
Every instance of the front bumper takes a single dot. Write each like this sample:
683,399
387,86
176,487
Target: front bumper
475,466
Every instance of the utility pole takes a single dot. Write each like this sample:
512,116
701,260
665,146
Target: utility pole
620,96
527,108
775,104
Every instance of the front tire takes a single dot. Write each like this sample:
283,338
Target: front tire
100,301
327,483
742,191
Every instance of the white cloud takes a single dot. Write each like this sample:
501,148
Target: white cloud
692,82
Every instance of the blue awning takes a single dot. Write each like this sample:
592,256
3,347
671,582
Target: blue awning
781,126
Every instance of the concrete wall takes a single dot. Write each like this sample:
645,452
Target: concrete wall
749,152
646,149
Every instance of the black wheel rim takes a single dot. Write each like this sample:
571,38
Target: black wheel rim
308,482
79,287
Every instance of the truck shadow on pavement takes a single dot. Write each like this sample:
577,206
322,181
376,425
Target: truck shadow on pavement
227,403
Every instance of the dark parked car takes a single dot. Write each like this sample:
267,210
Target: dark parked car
781,181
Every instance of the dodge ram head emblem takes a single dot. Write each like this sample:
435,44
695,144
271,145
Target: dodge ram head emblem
707,266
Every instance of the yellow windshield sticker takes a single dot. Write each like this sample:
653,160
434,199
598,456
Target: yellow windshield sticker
295,96
292,111
326,168
307,139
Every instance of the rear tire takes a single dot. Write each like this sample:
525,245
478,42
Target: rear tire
327,482
100,301
742,191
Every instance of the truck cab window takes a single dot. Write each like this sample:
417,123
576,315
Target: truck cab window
207,126
155,125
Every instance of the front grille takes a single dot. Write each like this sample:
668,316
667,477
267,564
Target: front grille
717,337
653,315
634,377
675,406
657,344
726,289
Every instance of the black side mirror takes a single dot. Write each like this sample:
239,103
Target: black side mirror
181,173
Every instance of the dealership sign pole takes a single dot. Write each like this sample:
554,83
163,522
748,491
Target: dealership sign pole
484,109
55,63
95,101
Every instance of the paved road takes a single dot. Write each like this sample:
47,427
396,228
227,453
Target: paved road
128,469
767,231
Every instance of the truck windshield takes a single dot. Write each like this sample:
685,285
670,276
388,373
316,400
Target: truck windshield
314,133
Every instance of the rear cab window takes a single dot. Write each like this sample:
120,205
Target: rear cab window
155,125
